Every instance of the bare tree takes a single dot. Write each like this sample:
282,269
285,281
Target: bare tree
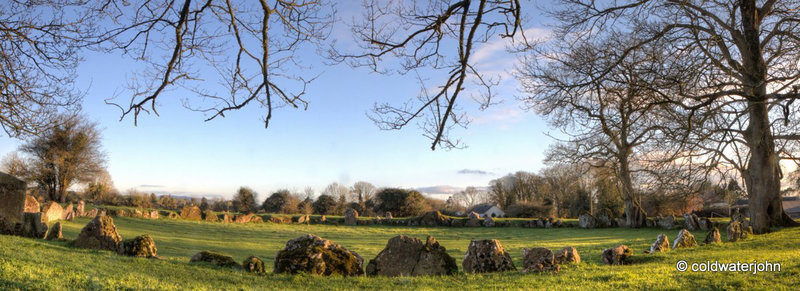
251,45
744,52
39,54
363,192
470,197
67,153
437,35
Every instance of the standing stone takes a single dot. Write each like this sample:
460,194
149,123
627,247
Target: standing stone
538,260
433,218
587,220
735,231
70,217
388,215
253,264
474,219
79,210
141,246
217,259
226,218
618,255
704,223
172,215
661,244
567,255
52,211
407,256
668,222
67,211
100,234
350,216
488,222
210,216
685,239
191,213
606,218
33,226
55,232
31,205
485,256
154,214
691,221
713,237
301,219
137,213
12,202
92,213
318,256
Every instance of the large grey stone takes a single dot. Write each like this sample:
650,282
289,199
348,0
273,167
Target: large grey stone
12,202
619,255
538,260
350,216
587,220
661,244
485,256
100,234
685,239
315,255
407,256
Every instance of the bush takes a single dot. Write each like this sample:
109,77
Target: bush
401,202
281,202
529,210
324,205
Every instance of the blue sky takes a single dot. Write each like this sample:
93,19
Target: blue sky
332,141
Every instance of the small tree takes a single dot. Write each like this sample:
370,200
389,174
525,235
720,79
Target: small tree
203,204
324,205
245,199
282,201
401,202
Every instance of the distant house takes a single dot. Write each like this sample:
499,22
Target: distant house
486,209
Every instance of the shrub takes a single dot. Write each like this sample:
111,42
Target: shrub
529,210
401,202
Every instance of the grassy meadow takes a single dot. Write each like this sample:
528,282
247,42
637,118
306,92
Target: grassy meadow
37,264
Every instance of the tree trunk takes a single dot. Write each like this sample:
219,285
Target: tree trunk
762,175
634,214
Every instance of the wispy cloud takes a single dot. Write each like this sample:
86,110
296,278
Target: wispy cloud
474,172
151,186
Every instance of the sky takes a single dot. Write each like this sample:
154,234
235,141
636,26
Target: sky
333,140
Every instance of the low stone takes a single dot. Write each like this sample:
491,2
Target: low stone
433,218
455,222
70,216
154,214
31,205
279,219
210,216
253,264
315,255
140,246
173,215
191,213
605,218
92,213
619,255
538,260
246,218
301,219
52,212
226,218
100,233
488,222
567,255
691,221
55,232
736,232
587,220
559,223
137,213
484,256
704,223
668,222
217,259
32,225
407,256
685,239
350,216
713,237
661,244
388,215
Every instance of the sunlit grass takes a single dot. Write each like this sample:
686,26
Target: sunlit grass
36,264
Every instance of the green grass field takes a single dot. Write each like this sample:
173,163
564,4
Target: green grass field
37,264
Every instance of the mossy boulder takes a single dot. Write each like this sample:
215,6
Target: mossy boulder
685,239
484,256
192,213
408,256
350,216
55,232
713,237
736,231
100,234
32,225
253,264
210,216
217,259
619,255
140,246
567,255
661,244
535,260
433,218
318,256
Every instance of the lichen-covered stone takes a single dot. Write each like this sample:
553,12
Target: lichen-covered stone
253,264
474,219
67,211
12,201
140,246
31,205
32,225
685,239
713,237
433,218
691,221
100,233
52,212
489,222
538,260
79,210
567,255
191,213
315,255
154,214
605,218
736,232
54,232
485,256
668,222
619,255
407,256
587,220
301,219
279,219
217,259
210,216
350,217
661,244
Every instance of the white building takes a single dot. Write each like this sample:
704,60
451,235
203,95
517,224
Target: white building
486,210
